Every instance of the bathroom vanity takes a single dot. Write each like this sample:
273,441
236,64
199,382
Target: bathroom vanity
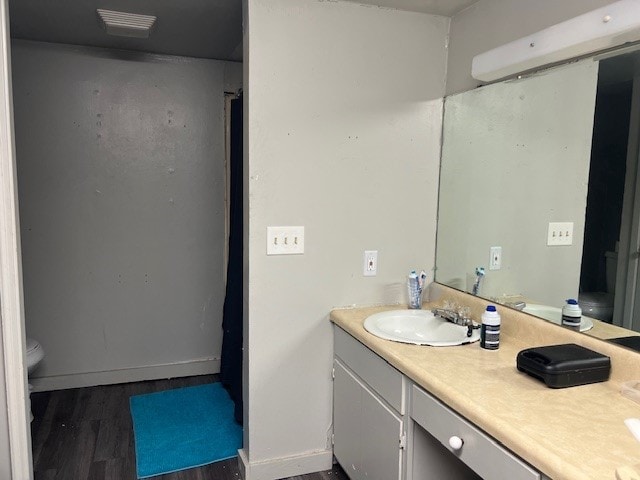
413,412
382,417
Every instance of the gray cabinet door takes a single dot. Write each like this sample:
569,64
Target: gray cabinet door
367,432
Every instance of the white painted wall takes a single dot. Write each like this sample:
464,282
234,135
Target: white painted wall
121,182
490,23
342,136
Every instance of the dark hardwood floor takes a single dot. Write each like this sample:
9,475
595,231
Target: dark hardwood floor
86,433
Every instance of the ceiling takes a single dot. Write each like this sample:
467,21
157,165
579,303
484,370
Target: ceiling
448,8
192,28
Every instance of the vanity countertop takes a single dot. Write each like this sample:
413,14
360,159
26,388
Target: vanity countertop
570,433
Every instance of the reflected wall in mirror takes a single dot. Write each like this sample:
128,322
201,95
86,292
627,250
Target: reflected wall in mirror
517,156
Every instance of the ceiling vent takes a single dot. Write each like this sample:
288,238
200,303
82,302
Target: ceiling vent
124,24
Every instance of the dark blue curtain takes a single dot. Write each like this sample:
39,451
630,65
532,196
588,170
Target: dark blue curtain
231,359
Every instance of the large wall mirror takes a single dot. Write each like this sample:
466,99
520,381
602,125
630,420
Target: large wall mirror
539,196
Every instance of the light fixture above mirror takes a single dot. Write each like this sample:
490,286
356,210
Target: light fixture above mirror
594,31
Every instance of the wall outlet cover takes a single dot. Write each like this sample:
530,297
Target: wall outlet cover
495,259
370,263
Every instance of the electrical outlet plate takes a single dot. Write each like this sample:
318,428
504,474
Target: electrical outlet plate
495,259
285,240
370,263
560,233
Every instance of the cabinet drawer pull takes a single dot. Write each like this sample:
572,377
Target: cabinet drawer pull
456,442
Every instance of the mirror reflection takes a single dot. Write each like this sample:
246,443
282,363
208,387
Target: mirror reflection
538,193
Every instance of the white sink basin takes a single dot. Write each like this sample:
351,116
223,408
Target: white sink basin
554,314
419,327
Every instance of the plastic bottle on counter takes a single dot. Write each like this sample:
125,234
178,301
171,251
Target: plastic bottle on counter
572,315
490,329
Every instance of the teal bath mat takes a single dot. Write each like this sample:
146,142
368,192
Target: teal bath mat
183,428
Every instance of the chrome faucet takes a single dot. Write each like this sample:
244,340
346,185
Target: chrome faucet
458,318
476,284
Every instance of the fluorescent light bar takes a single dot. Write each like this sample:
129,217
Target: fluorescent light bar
123,24
606,27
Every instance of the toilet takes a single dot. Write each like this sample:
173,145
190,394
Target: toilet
35,354
599,305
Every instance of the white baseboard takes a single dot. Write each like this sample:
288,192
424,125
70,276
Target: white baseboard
203,366
284,467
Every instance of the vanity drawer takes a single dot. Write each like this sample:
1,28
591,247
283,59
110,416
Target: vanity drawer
371,368
479,451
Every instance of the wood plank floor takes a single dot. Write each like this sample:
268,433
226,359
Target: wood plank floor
86,433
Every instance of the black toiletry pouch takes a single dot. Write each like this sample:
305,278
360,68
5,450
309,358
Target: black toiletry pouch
566,365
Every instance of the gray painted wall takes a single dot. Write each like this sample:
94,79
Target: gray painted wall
491,23
344,121
121,183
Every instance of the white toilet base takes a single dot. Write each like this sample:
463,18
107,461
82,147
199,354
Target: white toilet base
29,403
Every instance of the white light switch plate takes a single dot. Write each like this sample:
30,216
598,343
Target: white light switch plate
285,240
560,233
